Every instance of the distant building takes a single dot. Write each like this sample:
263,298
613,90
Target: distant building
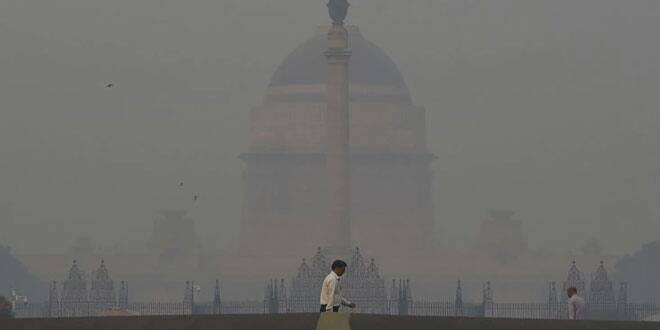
391,179
174,239
501,237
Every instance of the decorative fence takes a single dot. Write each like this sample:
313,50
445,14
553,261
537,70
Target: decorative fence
630,311
91,309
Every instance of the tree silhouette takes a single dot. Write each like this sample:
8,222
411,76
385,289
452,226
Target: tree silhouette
5,308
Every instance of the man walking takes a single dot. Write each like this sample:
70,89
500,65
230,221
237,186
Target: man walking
576,305
331,298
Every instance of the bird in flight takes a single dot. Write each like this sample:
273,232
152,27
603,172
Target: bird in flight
110,85
196,197
181,184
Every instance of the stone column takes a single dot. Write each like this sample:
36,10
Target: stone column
338,151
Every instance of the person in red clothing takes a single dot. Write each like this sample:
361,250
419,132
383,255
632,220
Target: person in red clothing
576,305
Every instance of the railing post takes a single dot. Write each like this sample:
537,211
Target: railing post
487,301
458,301
271,301
217,302
403,298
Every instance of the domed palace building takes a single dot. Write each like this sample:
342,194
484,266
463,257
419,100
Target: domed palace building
285,176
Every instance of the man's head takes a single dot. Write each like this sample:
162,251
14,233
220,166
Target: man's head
339,267
571,291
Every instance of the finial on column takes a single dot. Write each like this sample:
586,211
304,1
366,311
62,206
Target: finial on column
338,10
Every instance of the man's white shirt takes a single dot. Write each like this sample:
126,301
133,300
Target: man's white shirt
576,308
331,292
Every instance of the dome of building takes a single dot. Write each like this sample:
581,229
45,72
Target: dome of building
285,167
306,65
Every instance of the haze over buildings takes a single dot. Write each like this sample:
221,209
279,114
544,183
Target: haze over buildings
546,108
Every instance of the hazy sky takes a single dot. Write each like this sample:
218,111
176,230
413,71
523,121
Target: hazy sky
550,108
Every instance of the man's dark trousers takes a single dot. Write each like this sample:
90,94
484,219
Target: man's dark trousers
335,309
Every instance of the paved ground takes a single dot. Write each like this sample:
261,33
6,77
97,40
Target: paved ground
328,321
334,321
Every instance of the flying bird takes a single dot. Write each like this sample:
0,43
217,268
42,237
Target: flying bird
196,197
181,184
110,85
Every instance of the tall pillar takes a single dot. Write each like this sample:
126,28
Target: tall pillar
338,153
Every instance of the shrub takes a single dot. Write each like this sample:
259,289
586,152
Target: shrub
5,308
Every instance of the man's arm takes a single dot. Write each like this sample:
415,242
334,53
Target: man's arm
347,303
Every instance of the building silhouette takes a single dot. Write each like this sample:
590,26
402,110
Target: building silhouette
501,237
74,293
174,240
285,168
102,289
